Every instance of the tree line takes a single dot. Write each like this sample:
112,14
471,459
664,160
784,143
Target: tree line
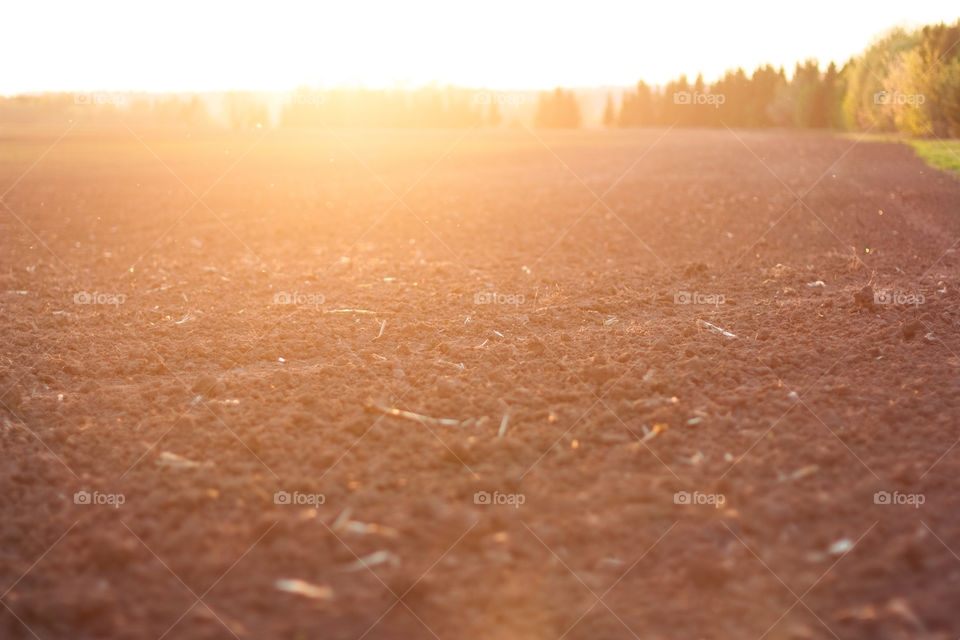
811,98
908,81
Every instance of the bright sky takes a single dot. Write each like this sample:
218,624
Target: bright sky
185,45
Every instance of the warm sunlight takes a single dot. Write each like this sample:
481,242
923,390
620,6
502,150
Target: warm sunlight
188,45
480,321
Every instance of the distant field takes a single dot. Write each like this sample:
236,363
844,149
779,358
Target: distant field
497,375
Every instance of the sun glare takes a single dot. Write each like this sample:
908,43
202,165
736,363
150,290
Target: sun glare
528,45
479,320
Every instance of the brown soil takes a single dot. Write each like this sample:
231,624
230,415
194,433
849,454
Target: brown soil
187,386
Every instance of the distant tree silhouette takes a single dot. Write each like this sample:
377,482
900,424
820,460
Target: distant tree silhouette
628,111
609,113
646,110
809,110
699,112
832,94
675,106
557,109
763,89
765,98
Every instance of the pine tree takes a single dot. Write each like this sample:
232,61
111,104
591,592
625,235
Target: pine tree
831,93
609,113
557,109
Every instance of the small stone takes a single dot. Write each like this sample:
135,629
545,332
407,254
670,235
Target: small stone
864,298
841,546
